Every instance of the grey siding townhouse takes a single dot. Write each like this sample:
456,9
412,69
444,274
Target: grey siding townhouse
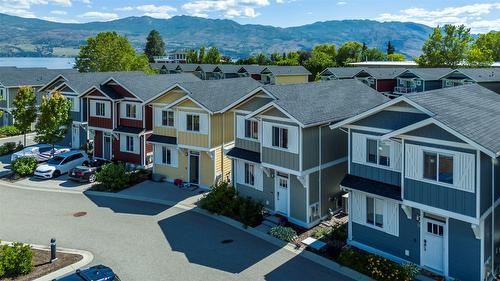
286,156
486,77
424,181
420,79
335,73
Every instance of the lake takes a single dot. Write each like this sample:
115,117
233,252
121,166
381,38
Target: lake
52,63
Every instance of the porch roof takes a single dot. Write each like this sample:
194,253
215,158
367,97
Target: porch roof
373,187
162,139
244,154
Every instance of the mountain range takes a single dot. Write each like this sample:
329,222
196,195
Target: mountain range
34,37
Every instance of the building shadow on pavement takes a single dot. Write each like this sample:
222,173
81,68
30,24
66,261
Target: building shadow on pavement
297,269
127,206
213,244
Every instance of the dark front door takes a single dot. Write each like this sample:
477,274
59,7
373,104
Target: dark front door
194,167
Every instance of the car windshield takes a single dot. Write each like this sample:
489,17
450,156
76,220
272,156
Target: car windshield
56,160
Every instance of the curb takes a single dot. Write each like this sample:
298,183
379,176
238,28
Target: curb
87,258
48,189
236,224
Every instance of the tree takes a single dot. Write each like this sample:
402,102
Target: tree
478,57
201,55
262,59
191,56
349,52
109,51
390,48
328,49
292,58
213,56
25,109
448,50
155,46
489,41
54,119
396,57
318,62
373,54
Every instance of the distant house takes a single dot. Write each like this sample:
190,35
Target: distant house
381,79
277,75
253,71
207,72
225,71
336,73
486,77
419,80
186,67
175,56
165,68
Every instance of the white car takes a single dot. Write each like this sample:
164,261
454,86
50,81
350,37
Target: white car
42,152
61,164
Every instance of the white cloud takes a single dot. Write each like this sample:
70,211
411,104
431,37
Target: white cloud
341,3
57,12
469,15
98,16
228,8
161,12
125,9
23,7
57,19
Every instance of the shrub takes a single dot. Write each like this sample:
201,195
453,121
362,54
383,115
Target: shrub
24,166
9,147
339,232
220,199
410,270
16,259
249,211
113,177
321,232
9,131
284,233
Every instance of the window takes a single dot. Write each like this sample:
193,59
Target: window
100,109
280,137
449,83
438,167
282,180
249,174
435,229
72,102
251,129
378,152
130,110
167,118
129,143
166,156
2,94
418,82
374,211
193,123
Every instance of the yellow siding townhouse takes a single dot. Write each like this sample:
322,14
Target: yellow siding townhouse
192,126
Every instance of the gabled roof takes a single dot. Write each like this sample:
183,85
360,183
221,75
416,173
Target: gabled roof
206,67
287,70
216,95
342,72
167,66
188,67
471,110
323,102
429,73
15,77
228,68
384,72
252,68
481,74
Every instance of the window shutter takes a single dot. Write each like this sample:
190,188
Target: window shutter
182,121
240,171
136,141
358,148
240,126
157,150
357,203
396,155
259,185
204,123
157,116
391,218
413,161
293,139
267,134
464,171
174,154
123,143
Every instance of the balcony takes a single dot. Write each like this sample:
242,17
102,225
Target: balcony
404,90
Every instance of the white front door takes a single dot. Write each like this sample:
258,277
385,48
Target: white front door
433,244
75,136
282,184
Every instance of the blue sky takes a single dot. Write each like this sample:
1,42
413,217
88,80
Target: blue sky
481,16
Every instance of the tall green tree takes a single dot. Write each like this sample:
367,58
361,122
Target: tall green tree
328,49
489,41
292,58
54,119
155,46
262,59
191,56
109,51
390,48
446,50
373,54
25,110
213,56
201,55
350,51
479,57
318,62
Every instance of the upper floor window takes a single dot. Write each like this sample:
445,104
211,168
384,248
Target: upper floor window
280,137
374,211
378,152
100,109
73,101
252,129
249,174
193,123
167,118
130,110
438,167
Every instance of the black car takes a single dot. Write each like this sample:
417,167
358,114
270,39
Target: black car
87,173
94,273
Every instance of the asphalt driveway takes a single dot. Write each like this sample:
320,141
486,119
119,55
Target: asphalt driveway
145,241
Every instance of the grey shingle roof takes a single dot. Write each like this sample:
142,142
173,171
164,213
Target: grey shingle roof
14,77
471,110
188,67
288,70
253,68
342,72
228,68
207,67
482,74
430,73
81,82
215,95
327,101
168,66
384,72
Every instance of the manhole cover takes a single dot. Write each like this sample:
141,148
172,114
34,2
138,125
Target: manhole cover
227,241
79,214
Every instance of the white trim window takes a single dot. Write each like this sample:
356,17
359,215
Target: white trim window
283,180
100,109
166,156
74,103
249,174
192,122
375,212
438,167
129,144
251,129
378,152
167,118
280,137
130,110
368,150
2,94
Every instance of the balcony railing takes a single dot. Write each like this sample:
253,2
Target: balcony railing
404,90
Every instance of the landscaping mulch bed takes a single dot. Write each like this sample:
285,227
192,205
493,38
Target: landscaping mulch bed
42,265
12,178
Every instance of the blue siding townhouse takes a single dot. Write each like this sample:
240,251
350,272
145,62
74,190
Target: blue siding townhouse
424,180
416,80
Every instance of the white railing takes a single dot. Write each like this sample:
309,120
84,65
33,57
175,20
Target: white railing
404,90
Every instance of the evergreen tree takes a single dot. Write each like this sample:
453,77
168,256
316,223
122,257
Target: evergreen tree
213,56
390,48
155,46
201,55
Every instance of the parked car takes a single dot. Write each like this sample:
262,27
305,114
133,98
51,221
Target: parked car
94,273
61,164
42,152
87,173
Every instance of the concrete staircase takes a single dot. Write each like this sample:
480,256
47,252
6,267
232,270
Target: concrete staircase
268,223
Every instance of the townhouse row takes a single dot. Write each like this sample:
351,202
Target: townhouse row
395,82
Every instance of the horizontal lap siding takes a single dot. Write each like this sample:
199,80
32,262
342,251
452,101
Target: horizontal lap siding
280,158
376,174
248,145
386,85
100,122
131,123
125,156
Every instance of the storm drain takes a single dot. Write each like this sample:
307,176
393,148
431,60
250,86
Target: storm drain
79,214
227,241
